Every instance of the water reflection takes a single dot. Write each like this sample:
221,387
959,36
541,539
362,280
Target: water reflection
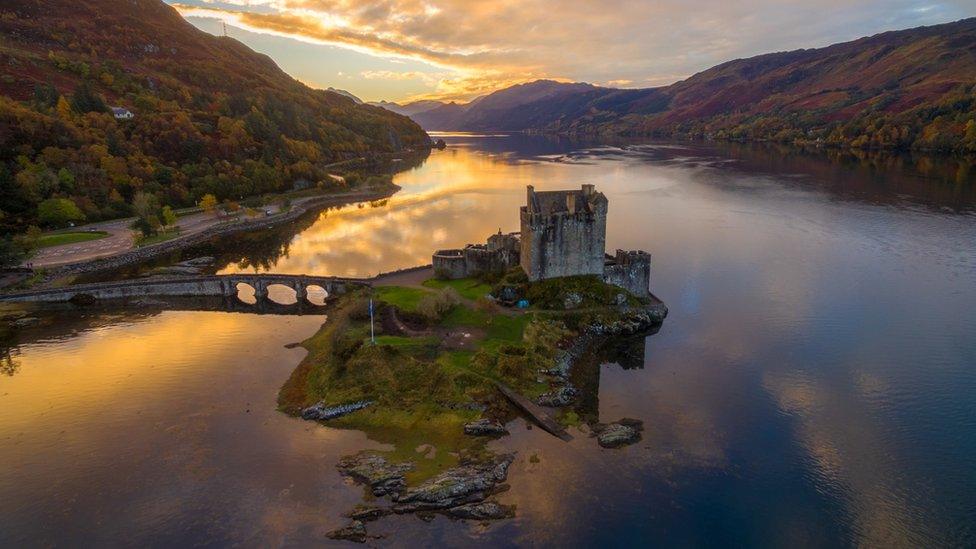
813,384
136,429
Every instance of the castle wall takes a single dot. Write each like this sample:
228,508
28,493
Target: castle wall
479,259
450,262
564,244
501,254
631,271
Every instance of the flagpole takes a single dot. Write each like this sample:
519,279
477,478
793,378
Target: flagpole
372,332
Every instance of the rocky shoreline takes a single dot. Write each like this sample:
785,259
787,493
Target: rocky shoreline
462,492
633,321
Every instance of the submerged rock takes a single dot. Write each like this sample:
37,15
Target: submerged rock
484,427
147,302
620,433
24,322
355,531
202,261
179,270
469,483
320,411
485,510
376,472
365,513
557,398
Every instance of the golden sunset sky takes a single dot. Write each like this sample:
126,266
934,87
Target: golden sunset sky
402,50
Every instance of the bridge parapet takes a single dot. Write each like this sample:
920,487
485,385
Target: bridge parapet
214,285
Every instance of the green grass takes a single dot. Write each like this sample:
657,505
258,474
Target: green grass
468,288
508,328
161,236
60,239
407,344
406,299
461,315
419,390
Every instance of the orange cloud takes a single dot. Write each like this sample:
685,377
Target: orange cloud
481,46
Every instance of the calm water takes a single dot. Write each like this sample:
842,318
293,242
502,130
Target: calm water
814,384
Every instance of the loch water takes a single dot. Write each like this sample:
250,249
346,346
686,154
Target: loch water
813,385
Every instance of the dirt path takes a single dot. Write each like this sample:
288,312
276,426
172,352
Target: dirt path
411,278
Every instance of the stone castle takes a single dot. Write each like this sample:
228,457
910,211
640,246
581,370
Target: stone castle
563,234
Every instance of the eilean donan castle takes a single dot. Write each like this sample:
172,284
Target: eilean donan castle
563,233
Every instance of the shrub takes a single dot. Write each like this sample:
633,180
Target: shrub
359,309
434,306
589,290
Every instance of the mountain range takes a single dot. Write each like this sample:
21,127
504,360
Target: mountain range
902,89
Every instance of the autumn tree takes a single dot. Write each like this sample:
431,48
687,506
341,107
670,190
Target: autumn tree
58,212
146,208
208,203
169,217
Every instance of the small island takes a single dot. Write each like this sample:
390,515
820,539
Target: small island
437,365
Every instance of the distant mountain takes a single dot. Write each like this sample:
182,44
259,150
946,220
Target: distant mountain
409,109
209,115
914,88
355,99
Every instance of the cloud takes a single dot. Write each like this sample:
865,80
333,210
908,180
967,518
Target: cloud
630,42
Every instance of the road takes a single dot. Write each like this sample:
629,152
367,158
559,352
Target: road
121,239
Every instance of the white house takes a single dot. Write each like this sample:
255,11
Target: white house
121,113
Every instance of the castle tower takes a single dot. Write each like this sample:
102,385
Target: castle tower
563,233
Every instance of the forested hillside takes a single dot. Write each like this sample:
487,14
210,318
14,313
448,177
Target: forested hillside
209,114
909,89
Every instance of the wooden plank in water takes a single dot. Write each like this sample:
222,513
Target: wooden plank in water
535,412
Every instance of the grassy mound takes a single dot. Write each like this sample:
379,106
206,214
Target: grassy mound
423,388
590,291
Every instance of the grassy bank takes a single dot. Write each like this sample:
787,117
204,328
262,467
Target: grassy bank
60,239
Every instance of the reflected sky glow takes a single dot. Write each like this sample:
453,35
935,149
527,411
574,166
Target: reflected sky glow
812,384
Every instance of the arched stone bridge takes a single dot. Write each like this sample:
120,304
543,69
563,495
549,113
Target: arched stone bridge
214,285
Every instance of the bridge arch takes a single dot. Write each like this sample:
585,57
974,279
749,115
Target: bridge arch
283,293
245,292
316,294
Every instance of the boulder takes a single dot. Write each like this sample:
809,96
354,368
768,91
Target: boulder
468,483
367,513
620,433
572,300
484,427
557,398
320,411
375,471
485,510
355,531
